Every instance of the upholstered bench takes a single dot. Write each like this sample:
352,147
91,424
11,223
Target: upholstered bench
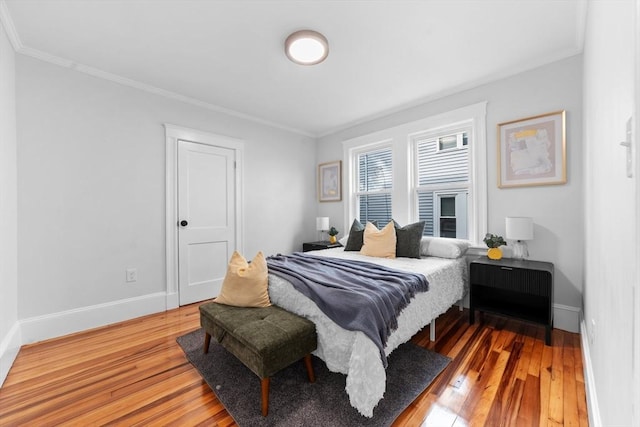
264,339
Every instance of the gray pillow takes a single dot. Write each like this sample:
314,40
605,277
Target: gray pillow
356,236
408,239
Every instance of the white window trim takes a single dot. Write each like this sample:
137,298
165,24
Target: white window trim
351,175
400,138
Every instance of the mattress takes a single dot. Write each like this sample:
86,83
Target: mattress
351,352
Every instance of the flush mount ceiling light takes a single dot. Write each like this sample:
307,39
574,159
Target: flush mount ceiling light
306,47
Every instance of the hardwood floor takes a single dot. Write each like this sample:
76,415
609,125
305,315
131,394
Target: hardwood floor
134,373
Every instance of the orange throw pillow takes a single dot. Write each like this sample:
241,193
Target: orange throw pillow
379,243
245,284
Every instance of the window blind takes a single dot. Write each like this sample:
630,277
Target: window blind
375,182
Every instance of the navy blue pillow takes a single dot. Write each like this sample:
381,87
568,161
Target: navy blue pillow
356,236
408,239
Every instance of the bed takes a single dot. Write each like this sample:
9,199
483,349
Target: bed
354,354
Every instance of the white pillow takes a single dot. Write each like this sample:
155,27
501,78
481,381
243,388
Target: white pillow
443,247
343,241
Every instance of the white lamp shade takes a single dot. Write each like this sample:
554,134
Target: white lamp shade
519,228
322,223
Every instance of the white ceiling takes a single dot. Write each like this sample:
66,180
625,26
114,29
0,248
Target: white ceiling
229,55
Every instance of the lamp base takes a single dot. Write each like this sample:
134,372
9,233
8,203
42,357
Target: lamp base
520,250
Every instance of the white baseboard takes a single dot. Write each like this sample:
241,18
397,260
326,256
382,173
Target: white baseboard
9,348
173,300
589,379
566,318
54,325
67,322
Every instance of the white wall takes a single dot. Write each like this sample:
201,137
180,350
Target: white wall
556,210
91,183
9,331
611,217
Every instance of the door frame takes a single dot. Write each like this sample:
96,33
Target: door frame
173,134
635,134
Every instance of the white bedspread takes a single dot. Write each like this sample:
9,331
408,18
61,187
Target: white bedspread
351,352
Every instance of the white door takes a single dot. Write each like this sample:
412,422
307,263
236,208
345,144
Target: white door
206,218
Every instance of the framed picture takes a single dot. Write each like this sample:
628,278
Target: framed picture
330,181
532,151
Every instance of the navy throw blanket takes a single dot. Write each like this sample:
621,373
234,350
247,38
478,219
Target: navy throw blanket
357,295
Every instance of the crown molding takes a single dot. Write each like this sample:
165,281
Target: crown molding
46,57
9,27
7,23
454,90
581,26
19,47
95,72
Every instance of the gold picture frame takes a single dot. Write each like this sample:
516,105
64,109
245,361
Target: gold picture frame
532,151
330,181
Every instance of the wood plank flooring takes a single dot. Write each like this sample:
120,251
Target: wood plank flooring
134,373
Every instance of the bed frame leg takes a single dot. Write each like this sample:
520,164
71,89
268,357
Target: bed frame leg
432,330
460,307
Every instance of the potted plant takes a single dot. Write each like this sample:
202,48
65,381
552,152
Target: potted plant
333,232
493,242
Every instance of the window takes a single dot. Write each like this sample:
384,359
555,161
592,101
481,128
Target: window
375,184
452,217
447,217
442,183
438,174
453,141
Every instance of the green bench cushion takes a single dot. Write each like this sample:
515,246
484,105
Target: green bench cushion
265,339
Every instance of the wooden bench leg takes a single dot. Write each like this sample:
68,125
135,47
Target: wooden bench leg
207,341
309,365
265,396
264,382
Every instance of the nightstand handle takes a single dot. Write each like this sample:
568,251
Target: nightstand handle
506,268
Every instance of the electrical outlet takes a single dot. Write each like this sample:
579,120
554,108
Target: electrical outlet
132,275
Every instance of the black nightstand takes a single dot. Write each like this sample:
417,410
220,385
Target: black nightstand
316,246
521,289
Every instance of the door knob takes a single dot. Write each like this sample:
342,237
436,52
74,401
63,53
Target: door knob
184,223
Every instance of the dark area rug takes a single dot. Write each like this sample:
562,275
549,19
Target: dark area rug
293,401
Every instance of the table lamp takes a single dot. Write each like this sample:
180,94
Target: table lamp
322,225
519,229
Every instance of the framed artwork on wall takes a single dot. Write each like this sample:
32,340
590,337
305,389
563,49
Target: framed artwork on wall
532,151
330,181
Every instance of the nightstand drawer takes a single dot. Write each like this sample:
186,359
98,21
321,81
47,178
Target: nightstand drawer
531,282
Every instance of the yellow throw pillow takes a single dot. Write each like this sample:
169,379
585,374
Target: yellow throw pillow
379,243
245,285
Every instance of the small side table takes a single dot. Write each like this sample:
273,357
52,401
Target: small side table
316,246
521,289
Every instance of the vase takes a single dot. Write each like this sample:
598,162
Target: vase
494,253
332,239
